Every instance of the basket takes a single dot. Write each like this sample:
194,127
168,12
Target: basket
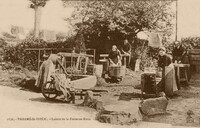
117,71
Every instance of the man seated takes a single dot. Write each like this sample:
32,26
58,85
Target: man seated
180,56
126,49
178,52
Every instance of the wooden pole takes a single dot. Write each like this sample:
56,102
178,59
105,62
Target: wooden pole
176,37
38,61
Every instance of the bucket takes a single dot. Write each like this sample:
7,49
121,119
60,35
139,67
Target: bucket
98,70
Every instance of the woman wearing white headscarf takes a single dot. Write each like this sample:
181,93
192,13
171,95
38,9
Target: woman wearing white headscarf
46,69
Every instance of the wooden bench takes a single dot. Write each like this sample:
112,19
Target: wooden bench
104,56
184,66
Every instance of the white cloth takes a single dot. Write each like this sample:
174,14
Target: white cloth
155,40
170,79
64,84
137,65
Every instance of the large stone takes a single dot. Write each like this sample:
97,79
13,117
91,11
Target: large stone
88,98
92,102
154,106
120,113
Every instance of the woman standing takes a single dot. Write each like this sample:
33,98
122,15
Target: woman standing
168,82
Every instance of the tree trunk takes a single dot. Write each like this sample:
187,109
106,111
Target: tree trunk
37,10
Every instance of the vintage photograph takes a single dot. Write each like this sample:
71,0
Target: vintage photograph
99,63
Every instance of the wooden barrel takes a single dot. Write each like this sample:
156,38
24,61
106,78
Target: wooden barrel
148,82
194,51
117,71
194,56
90,69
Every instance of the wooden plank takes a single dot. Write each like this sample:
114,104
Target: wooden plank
74,54
86,64
103,55
38,61
181,65
77,63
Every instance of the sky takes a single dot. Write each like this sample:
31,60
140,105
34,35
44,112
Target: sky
188,18
17,12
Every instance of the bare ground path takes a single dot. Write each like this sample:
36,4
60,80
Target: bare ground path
23,109
19,108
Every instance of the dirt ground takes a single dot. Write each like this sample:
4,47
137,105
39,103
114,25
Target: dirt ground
185,99
188,98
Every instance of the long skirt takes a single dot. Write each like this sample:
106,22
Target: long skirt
44,75
170,80
168,83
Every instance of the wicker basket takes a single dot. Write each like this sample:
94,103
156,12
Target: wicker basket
117,71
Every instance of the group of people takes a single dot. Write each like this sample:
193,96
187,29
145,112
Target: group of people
165,63
115,55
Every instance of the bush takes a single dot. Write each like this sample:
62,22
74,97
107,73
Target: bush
191,42
29,59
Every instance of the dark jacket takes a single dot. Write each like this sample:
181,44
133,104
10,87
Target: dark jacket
178,53
164,61
126,48
113,55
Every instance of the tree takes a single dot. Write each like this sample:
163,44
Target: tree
105,23
36,5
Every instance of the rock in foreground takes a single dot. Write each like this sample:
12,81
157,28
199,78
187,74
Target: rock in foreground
121,113
154,106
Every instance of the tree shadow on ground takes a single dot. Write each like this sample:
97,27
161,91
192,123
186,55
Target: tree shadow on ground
76,106
43,100
29,90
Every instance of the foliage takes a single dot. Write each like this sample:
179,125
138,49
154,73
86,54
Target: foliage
152,53
8,35
191,42
37,3
105,23
2,43
18,54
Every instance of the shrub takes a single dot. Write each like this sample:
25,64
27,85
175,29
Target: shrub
29,59
191,42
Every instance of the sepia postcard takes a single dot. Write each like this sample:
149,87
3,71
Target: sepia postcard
99,63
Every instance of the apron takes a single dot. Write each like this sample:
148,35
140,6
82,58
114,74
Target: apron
44,74
170,80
